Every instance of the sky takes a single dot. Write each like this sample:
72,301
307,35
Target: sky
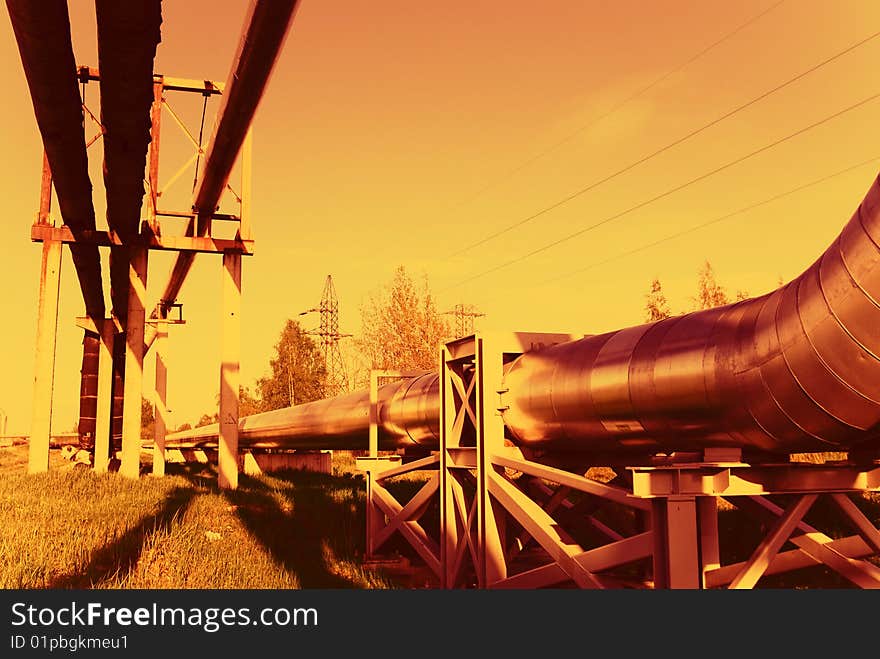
407,133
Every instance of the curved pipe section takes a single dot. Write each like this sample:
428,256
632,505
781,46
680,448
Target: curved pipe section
795,370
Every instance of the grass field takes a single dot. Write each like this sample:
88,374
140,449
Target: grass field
71,528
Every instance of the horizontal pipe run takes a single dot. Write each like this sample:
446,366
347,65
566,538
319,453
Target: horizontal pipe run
796,370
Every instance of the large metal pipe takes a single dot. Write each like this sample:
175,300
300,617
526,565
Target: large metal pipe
795,370
128,33
407,413
268,23
42,31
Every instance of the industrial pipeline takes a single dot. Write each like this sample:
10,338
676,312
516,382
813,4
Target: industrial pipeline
795,370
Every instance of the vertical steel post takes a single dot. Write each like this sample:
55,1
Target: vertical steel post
448,527
45,192
105,395
44,364
155,132
490,437
244,224
676,559
707,510
230,341
374,415
134,363
160,407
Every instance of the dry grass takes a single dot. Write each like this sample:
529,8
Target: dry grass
71,528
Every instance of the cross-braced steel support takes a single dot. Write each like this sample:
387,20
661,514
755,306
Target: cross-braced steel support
512,518
151,236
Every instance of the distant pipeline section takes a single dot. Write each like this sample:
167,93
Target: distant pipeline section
791,371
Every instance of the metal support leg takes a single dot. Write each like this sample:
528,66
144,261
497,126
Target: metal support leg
707,509
375,518
229,371
490,434
676,560
105,396
161,406
134,364
44,366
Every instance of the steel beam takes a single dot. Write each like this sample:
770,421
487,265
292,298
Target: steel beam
230,342
160,405
44,364
134,364
148,240
105,395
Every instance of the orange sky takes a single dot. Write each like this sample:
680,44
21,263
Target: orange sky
388,133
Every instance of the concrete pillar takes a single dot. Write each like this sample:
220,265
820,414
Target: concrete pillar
676,553
44,363
160,409
105,395
134,364
230,348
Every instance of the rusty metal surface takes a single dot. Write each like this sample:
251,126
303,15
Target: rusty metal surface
42,31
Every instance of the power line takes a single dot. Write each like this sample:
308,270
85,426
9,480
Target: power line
669,192
618,106
665,148
703,225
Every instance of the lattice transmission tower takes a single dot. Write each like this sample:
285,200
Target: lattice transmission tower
336,381
464,319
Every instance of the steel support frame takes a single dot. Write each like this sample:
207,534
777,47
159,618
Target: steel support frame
150,237
488,517
749,488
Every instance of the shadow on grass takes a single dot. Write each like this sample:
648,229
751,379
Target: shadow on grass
311,524
119,557
298,529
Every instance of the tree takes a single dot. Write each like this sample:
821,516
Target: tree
207,420
656,304
298,372
247,403
401,327
148,419
710,293
183,426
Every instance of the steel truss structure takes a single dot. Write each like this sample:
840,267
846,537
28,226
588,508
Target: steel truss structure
151,236
510,518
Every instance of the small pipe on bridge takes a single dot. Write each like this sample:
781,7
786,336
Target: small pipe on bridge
268,23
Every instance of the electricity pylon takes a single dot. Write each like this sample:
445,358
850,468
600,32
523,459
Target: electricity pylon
464,319
336,379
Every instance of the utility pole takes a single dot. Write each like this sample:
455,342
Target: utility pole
336,381
464,319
